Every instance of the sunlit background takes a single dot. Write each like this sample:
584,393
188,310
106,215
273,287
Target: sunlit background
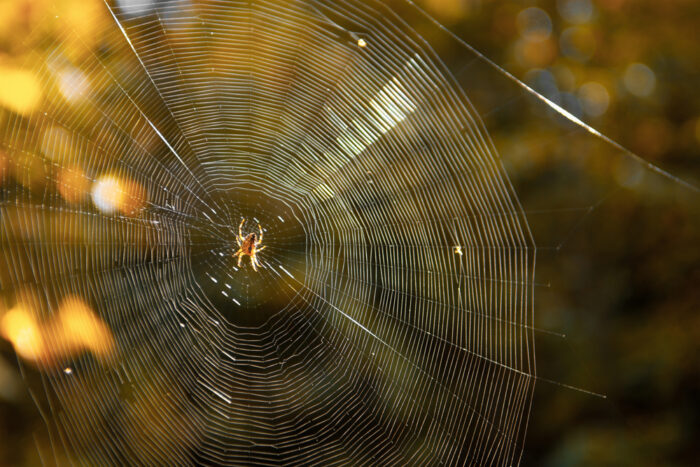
616,286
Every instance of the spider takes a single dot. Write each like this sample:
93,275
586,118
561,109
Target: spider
248,246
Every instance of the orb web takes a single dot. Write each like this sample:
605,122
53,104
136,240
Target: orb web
390,320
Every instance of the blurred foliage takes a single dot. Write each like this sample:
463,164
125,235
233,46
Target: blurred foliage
620,273
620,270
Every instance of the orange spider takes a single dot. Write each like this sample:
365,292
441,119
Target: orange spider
248,246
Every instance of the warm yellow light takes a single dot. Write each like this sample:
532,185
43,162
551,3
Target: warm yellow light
80,329
20,328
73,330
81,22
72,84
20,90
72,184
108,194
362,43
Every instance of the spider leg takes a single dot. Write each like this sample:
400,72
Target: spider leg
261,248
261,236
240,258
253,262
240,234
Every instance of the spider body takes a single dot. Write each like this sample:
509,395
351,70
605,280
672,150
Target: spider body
249,246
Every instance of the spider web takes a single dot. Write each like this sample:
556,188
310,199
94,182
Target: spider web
391,321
